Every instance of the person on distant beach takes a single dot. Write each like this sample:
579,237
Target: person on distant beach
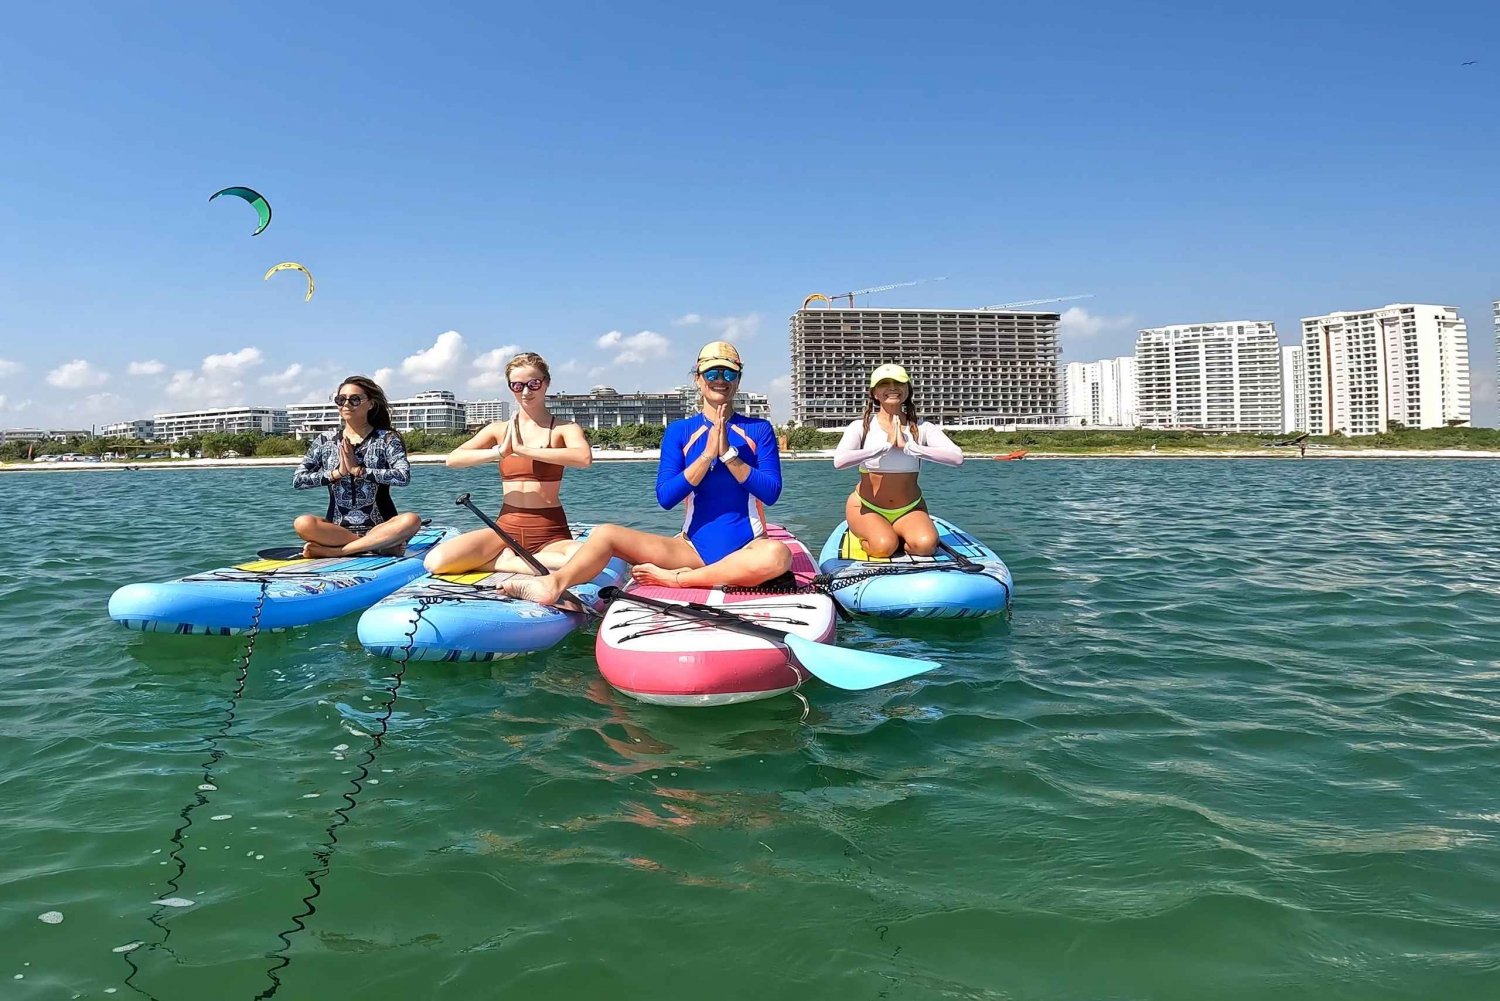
359,462
723,467
532,449
888,444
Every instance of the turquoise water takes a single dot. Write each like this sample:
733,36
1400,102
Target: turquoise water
1239,740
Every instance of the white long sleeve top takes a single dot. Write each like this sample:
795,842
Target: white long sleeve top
874,452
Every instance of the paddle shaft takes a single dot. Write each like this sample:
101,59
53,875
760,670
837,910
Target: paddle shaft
700,613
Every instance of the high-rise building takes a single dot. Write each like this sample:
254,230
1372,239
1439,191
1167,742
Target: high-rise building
1212,376
478,413
221,420
1102,392
978,367
1406,362
1293,389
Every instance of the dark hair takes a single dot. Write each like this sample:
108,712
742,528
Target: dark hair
380,408
908,409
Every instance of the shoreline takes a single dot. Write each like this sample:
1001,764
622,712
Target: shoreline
651,455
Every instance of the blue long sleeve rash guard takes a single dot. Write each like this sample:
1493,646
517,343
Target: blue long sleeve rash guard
722,514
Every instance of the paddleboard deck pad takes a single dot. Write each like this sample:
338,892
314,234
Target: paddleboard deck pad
657,657
298,592
917,587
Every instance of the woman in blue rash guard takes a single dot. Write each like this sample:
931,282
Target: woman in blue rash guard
723,467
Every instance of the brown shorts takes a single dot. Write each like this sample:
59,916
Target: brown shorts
534,528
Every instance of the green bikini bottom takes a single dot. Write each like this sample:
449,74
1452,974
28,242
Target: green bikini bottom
891,513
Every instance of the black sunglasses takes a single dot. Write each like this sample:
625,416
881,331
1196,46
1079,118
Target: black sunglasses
531,384
353,400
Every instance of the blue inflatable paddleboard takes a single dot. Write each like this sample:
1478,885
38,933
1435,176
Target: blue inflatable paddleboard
963,579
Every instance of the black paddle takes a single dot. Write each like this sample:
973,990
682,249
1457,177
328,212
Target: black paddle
521,551
839,666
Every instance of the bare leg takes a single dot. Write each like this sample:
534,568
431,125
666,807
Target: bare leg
553,556
877,534
918,532
388,535
756,563
322,537
476,550
603,544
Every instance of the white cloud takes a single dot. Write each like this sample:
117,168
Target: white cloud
491,367
727,328
76,374
288,380
232,362
636,348
1079,324
436,364
219,379
779,393
567,367
382,376
97,404
8,367
2,402
152,367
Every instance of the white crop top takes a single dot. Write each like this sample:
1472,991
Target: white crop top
883,457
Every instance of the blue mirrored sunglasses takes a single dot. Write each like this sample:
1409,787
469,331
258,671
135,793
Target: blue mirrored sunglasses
721,374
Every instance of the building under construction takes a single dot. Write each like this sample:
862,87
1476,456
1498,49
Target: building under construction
970,367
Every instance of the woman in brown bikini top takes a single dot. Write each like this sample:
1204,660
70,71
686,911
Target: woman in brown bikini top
532,450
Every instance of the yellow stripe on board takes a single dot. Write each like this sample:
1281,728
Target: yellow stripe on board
465,578
263,566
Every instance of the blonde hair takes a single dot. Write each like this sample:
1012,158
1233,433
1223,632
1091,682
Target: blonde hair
531,358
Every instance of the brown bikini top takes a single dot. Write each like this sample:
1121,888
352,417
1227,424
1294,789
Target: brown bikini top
516,467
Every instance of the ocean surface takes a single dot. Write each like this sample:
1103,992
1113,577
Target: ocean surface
1239,739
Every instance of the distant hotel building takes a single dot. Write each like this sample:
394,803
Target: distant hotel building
221,420
478,413
139,430
604,407
1293,389
38,434
436,410
1102,392
1210,376
1407,362
979,367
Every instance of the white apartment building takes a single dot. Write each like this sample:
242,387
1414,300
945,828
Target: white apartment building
1212,376
1406,362
981,367
139,430
308,420
1293,389
478,413
220,420
1101,392
436,410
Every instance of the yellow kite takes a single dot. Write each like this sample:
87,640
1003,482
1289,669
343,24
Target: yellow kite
293,266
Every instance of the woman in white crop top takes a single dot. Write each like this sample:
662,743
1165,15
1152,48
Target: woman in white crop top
888,444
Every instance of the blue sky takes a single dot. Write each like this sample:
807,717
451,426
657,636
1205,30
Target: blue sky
613,184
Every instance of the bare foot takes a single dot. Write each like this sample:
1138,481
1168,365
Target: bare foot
650,573
313,551
542,590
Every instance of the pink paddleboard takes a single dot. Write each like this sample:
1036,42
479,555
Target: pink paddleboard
660,658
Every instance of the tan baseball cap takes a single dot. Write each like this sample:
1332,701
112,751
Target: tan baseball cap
883,372
719,353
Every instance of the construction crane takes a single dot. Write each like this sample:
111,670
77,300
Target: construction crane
1038,302
881,288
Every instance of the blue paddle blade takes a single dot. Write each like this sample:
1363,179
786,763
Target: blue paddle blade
854,669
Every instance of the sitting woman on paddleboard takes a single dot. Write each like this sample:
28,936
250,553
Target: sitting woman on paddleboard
723,467
359,462
532,449
888,444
